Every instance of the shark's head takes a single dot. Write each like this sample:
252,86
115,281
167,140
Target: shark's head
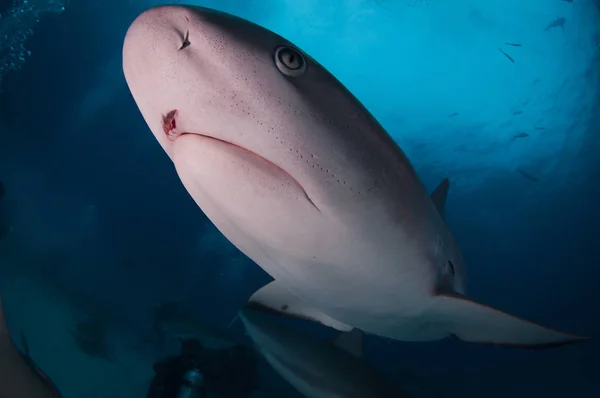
262,136
232,102
211,85
201,72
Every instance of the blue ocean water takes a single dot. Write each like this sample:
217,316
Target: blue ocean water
100,223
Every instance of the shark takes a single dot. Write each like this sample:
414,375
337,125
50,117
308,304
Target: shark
317,369
293,170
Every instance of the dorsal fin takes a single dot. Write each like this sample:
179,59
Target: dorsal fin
439,195
351,342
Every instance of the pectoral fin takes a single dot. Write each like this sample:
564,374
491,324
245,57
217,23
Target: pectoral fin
275,298
478,323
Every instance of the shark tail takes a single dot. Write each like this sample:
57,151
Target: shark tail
478,323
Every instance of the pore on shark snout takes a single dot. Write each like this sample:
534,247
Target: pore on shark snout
297,174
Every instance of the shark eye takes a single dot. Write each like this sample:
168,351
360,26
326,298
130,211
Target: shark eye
289,61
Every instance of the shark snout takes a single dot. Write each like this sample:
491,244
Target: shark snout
159,54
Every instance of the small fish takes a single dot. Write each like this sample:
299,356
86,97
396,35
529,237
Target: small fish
520,135
507,56
453,114
514,44
527,175
515,113
567,1
540,128
560,21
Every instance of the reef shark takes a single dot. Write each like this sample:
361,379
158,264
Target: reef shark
297,174
317,369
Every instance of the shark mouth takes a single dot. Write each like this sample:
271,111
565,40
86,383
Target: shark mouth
169,125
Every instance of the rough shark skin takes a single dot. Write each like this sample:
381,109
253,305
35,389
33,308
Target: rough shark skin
297,174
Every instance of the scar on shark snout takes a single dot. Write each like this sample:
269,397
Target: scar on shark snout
169,125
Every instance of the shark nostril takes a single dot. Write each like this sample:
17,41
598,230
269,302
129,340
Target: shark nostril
186,41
